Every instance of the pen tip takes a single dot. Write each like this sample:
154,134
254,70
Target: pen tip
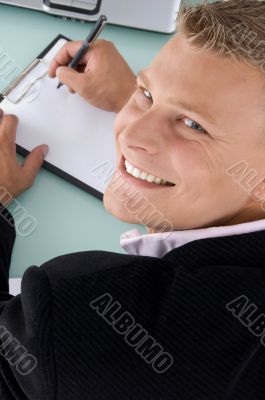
59,85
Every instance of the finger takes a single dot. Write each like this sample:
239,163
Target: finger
73,79
64,56
8,130
8,125
33,163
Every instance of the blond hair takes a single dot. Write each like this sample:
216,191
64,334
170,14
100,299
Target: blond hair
232,28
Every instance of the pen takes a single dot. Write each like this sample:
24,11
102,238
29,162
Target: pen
93,35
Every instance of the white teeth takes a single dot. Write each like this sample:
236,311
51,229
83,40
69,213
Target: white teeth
130,169
143,175
137,173
150,178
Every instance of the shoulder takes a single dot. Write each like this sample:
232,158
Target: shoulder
93,271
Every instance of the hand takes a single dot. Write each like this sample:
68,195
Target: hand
16,178
103,77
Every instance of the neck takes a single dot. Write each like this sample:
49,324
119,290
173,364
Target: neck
249,214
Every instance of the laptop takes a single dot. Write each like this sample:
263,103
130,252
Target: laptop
154,15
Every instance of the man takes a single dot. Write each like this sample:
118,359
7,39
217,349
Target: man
182,315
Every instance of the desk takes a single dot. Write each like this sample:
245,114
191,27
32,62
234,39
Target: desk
69,220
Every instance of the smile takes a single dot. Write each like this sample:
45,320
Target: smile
145,176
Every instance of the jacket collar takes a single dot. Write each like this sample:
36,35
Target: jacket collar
245,250
159,244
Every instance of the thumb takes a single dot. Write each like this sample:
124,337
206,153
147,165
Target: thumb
73,79
33,163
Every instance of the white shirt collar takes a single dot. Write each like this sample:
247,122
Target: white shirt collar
159,244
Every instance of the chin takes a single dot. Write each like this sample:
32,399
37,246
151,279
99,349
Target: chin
116,208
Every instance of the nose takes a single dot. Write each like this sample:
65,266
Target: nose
147,133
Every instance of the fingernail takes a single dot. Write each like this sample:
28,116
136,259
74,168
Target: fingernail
58,71
45,150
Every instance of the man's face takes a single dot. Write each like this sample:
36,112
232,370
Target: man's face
193,116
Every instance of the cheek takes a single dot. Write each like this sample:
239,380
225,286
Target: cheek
190,160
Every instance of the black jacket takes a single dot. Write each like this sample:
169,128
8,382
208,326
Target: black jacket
98,325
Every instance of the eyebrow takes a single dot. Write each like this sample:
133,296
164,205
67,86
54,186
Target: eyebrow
199,109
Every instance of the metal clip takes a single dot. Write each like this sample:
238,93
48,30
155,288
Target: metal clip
14,84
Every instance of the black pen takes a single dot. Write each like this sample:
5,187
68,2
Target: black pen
93,35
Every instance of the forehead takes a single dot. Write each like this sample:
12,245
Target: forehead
182,72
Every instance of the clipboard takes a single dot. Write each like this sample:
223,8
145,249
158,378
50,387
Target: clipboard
80,136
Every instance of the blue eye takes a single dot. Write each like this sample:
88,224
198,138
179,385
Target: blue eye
143,98
147,93
193,125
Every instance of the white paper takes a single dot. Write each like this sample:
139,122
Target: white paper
80,136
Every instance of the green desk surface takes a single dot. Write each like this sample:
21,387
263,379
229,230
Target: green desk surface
68,218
